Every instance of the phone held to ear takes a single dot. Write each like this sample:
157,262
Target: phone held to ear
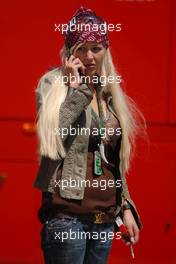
80,72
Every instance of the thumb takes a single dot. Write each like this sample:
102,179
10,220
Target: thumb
132,235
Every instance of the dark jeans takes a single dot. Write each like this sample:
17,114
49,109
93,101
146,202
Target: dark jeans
74,241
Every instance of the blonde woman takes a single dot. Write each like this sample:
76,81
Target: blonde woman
87,127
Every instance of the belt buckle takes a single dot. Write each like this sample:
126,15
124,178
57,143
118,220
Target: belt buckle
98,218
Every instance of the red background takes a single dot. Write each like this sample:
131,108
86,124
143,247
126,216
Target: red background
145,55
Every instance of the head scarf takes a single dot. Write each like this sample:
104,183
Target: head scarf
77,32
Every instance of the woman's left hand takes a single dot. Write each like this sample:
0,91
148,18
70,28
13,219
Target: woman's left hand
131,226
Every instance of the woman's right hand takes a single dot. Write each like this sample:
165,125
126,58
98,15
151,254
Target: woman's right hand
71,67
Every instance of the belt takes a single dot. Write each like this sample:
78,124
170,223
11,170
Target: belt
96,218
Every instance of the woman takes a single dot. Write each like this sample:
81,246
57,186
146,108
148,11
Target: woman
82,166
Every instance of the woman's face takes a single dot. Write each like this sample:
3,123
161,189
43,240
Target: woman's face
91,55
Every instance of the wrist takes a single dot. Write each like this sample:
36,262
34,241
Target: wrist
126,206
74,85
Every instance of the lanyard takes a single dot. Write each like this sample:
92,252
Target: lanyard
100,124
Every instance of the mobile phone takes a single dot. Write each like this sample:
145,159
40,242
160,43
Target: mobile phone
79,70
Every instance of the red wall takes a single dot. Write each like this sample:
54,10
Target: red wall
145,53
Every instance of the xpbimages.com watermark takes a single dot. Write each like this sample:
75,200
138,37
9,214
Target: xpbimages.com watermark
74,26
95,79
102,184
61,236
72,131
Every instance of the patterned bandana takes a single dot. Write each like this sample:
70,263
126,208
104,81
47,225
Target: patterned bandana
86,26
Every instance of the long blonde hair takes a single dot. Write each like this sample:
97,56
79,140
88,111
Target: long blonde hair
131,119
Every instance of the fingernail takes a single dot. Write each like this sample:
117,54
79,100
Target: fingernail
133,240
